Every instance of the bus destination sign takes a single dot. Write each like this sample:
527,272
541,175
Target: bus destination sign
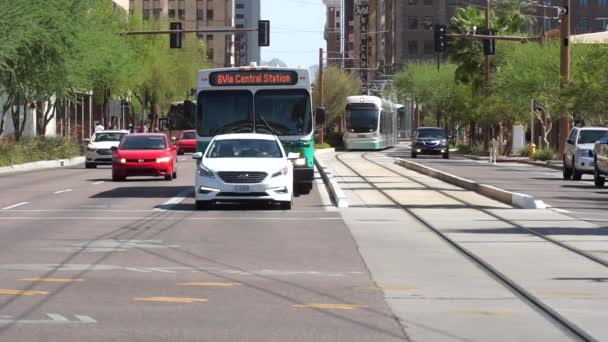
253,78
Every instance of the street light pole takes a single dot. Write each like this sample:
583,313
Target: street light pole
564,68
320,85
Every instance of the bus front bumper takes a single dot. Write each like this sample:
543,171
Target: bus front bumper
303,175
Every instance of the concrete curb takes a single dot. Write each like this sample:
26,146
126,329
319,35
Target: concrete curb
513,198
334,188
541,164
41,165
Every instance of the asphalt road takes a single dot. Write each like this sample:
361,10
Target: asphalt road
579,199
85,259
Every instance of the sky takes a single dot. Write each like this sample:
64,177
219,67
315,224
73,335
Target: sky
296,30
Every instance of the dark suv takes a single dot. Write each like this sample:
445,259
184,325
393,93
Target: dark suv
430,140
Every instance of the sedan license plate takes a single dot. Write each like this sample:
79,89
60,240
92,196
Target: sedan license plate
241,188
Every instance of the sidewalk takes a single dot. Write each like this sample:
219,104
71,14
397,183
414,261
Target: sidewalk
578,198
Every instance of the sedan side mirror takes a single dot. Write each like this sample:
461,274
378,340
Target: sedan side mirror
114,148
173,138
197,155
320,115
173,147
293,155
569,142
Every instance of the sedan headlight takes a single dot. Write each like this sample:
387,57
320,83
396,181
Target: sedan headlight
91,148
444,141
120,160
163,159
205,172
281,172
584,153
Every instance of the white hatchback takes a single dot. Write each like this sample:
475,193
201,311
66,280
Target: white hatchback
99,147
243,167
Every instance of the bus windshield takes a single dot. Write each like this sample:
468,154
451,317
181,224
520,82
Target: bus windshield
221,112
361,119
287,112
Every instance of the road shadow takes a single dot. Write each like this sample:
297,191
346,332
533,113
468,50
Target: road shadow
598,231
144,192
223,206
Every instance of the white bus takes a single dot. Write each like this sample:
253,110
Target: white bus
263,100
370,122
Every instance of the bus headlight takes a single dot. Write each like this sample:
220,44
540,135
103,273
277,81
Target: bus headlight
299,162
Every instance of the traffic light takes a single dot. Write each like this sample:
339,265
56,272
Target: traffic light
263,32
440,38
489,45
175,39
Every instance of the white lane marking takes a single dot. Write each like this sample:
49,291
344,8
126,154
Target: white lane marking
54,319
564,211
136,269
177,199
62,191
168,218
97,183
15,205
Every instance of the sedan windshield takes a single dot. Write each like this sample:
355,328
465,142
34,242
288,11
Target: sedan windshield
287,112
436,133
590,137
221,112
361,119
101,137
143,143
189,135
244,148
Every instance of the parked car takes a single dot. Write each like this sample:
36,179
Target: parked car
144,154
244,167
600,165
99,147
430,140
578,158
187,142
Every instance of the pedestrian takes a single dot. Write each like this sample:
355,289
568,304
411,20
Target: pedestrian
98,126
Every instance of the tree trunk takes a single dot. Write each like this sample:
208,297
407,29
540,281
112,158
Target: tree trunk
49,114
16,118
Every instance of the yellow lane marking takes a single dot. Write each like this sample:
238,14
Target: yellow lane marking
391,288
329,306
211,284
169,299
566,293
52,280
480,312
21,293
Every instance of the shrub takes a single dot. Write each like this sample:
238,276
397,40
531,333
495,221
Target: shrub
544,154
322,146
522,151
463,148
35,149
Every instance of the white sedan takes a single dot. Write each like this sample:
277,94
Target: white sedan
243,167
99,148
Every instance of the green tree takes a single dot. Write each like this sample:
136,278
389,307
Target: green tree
337,85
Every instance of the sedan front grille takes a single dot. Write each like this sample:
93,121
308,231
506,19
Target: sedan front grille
104,152
242,177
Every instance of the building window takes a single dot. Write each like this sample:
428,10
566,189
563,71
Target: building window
602,3
428,47
156,12
240,26
171,13
210,53
600,25
427,23
428,2
181,13
412,2
199,14
412,47
209,14
583,25
337,14
147,13
146,4
240,16
209,37
240,6
583,3
412,23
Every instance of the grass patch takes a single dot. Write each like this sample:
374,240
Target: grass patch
322,146
36,149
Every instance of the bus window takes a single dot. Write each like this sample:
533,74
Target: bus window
287,112
221,112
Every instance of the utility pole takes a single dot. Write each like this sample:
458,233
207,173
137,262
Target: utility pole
564,69
320,86
487,57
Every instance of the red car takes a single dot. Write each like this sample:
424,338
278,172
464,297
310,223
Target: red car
187,142
144,155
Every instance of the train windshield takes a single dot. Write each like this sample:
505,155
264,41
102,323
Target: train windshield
286,111
361,119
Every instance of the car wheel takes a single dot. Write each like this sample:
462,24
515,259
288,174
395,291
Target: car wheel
446,156
202,205
597,178
168,177
304,189
567,172
285,205
174,174
115,177
90,165
414,155
575,174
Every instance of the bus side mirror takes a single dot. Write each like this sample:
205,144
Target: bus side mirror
320,115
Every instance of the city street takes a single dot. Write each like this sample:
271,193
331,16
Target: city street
87,258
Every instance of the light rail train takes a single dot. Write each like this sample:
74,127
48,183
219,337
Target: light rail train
370,122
